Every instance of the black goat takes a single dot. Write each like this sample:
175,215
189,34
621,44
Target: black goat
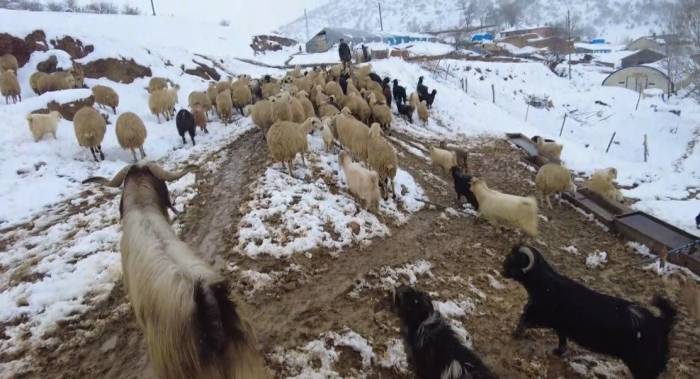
463,187
430,98
343,81
697,221
421,89
598,322
406,111
433,346
399,93
185,124
387,95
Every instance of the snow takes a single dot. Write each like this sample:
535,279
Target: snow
323,350
314,209
596,259
395,356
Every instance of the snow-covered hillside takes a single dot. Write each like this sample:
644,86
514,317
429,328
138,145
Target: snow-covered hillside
615,20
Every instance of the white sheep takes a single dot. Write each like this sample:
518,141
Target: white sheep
549,150
327,133
352,134
157,84
263,114
381,114
362,182
282,108
553,178
224,106
201,98
443,159
286,139
303,98
106,97
131,133
423,111
90,126
381,157
9,86
190,324
498,207
57,81
42,124
34,81
602,182
162,102
241,95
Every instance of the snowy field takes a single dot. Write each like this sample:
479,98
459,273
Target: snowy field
67,260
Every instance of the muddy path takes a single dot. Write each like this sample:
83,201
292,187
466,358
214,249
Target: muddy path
323,292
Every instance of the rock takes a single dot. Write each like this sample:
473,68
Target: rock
74,47
48,66
22,49
117,70
67,110
203,71
355,227
262,43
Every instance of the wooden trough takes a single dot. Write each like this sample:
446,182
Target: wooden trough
683,247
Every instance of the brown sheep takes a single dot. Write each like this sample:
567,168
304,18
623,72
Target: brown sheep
224,106
57,81
8,62
106,97
200,117
9,86
34,81
131,133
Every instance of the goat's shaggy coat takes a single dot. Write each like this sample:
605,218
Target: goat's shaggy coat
598,322
185,125
90,127
498,207
444,159
362,182
192,328
553,178
131,133
433,346
41,124
423,112
406,111
548,149
462,184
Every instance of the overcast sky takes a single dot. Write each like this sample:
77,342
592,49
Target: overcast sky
255,15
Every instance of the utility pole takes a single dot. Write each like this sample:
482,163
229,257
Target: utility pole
381,22
153,8
668,62
306,16
569,43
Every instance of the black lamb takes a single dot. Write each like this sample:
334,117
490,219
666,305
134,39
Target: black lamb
185,124
432,344
598,322
463,187
406,111
399,93
430,98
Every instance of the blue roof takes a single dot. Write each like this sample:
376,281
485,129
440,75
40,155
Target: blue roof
598,41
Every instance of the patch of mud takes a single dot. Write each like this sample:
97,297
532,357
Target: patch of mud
117,70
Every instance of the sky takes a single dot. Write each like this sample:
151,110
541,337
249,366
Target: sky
267,14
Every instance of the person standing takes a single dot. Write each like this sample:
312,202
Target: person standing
344,53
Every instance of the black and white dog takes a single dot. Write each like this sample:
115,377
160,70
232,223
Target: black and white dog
598,322
433,346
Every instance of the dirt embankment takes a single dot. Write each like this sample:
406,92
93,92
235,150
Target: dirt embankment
465,254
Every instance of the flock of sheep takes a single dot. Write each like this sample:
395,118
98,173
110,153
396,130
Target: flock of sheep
191,326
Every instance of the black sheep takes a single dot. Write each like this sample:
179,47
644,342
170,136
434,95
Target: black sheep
697,221
421,89
598,322
406,111
343,81
399,93
185,124
431,98
463,187
432,344
375,77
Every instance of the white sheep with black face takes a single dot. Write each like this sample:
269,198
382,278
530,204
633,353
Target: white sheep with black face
191,326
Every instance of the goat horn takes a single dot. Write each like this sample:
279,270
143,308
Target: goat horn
526,250
115,182
168,176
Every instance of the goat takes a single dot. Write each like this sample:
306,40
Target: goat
191,326
433,345
463,187
598,322
405,111
399,93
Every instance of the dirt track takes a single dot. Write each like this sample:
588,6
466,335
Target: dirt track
306,303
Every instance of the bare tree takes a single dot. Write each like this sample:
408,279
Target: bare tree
470,10
512,10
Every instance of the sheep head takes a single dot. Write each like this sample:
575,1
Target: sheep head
375,131
519,262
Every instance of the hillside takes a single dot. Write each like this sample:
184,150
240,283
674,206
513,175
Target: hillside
615,20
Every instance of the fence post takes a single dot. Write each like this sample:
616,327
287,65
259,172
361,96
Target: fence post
562,124
493,93
646,149
527,111
639,98
610,143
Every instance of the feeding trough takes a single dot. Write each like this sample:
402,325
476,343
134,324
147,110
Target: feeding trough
589,205
657,235
523,142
